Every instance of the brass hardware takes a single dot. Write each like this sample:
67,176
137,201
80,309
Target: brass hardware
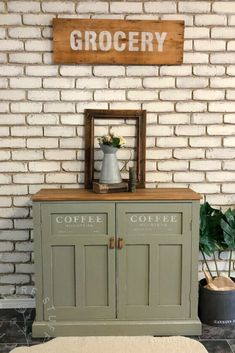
112,243
120,243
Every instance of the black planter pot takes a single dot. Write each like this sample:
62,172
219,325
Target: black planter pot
216,308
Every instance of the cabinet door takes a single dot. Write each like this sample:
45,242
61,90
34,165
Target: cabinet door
153,267
78,262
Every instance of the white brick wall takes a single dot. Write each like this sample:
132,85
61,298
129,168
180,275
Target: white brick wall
190,110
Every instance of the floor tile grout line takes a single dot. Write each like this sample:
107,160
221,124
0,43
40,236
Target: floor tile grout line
230,347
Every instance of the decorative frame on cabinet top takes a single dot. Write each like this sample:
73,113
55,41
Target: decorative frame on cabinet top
139,116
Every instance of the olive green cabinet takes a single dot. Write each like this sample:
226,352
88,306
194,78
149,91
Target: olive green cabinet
109,265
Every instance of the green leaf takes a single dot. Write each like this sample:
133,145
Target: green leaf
211,234
230,217
116,142
228,227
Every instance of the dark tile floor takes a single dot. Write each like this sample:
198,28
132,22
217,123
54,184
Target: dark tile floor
15,331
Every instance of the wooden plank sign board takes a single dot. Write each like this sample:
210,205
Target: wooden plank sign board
86,41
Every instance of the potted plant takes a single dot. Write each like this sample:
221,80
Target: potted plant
216,293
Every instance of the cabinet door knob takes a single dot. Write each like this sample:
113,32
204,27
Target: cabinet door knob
111,243
120,243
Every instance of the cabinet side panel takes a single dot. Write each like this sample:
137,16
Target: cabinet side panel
63,275
170,274
195,253
96,275
137,274
38,259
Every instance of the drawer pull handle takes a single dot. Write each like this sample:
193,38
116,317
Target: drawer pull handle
112,243
120,243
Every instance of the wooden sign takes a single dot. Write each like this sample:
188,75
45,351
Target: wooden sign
85,41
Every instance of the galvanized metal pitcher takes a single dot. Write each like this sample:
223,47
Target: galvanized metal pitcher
110,173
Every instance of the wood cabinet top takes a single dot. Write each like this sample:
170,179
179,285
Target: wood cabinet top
174,194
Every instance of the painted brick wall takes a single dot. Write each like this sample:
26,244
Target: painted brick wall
190,111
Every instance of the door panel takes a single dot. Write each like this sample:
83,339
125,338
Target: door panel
170,285
96,274
137,274
78,264
159,237
63,275
153,223
78,223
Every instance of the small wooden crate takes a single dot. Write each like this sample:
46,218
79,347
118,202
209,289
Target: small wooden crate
109,188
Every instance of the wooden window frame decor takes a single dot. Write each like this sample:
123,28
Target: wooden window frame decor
140,118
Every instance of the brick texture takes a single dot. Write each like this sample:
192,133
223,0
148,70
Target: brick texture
190,111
